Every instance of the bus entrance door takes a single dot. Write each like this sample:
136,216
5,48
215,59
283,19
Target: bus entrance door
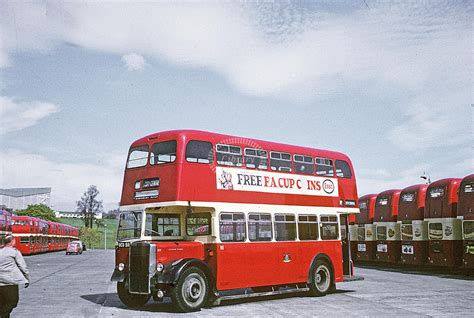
346,245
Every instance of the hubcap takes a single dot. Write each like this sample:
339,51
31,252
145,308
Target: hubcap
322,278
193,290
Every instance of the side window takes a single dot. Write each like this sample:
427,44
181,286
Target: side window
260,227
308,227
342,169
228,155
199,151
303,164
329,227
163,152
324,167
280,161
256,159
285,227
198,224
232,227
137,157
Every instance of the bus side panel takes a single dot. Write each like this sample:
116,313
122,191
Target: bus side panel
243,265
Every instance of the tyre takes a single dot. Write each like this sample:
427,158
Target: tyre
192,290
130,300
321,280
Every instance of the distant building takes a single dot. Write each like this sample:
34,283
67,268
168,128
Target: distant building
74,215
20,198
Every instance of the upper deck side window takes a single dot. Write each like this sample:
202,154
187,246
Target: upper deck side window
256,158
383,202
437,192
280,161
363,204
324,167
229,155
303,164
343,170
468,188
408,197
199,152
163,152
137,156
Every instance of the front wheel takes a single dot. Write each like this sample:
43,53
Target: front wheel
321,279
192,290
131,300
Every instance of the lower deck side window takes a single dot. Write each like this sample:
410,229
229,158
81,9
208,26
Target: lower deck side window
260,227
329,227
285,227
308,227
232,227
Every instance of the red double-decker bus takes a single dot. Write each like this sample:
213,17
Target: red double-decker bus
466,214
388,230
413,227
203,214
365,230
444,228
5,225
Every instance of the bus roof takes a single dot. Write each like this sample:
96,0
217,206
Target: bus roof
185,135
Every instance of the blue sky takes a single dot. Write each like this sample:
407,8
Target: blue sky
390,84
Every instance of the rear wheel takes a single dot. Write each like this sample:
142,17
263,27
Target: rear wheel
321,279
192,290
131,300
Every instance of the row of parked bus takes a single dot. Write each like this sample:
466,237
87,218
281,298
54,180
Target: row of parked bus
35,235
419,225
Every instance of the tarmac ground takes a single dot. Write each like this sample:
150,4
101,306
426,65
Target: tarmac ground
79,286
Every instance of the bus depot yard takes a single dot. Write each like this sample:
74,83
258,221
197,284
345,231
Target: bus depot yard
80,286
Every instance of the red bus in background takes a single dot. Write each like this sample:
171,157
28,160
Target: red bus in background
387,228
413,227
466,214
34,235
5,225
205,213
365,229
444,228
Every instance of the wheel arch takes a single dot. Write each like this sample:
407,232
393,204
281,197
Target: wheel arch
172,272
322,257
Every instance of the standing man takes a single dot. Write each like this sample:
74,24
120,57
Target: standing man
13,272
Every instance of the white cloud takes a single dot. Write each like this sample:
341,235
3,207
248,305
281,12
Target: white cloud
133,61
15,115
284,51
67,180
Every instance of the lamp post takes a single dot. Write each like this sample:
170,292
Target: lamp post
105,236
426,177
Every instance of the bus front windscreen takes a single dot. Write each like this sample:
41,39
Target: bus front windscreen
468,230
130,225
435,231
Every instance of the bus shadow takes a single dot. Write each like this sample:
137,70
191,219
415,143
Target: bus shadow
426,271
111,300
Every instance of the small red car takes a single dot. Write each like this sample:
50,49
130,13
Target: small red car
74,247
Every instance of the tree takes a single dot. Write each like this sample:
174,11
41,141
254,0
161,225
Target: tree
89,206
89,236
41,211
